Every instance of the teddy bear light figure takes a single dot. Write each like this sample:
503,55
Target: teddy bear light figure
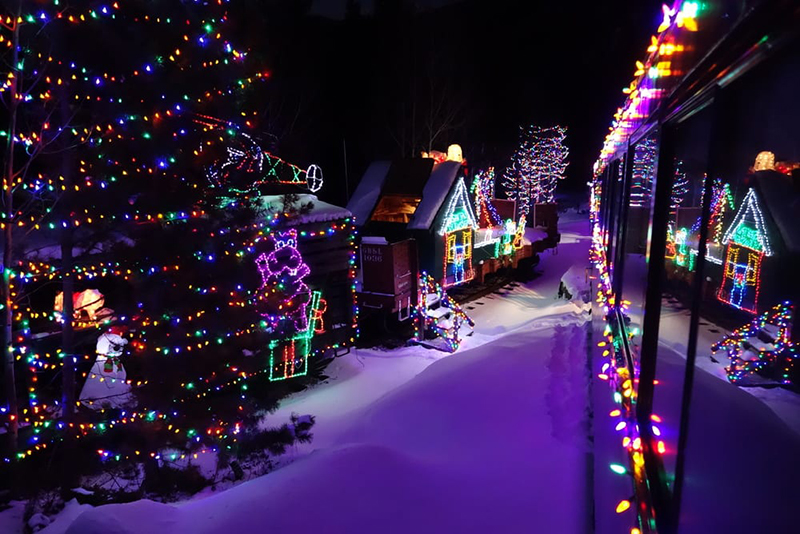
283,297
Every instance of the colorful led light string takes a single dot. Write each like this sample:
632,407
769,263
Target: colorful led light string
613,365
29,140
483,190
644,160
747,243
98,81
457,227
106,272
538,163
644,91
143,321
614,371
427,286
92,15
642,94
781,352
85,428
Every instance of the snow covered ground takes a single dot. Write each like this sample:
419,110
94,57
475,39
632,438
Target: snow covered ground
494,438
742,465
740,476
673,334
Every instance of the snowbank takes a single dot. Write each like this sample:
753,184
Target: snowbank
490,439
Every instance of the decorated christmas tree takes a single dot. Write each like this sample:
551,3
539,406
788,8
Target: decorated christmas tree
550,161
518,178
165,211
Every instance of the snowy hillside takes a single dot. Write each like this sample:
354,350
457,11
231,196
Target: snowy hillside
491,439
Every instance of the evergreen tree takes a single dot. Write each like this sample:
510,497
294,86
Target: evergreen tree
55,209
147,125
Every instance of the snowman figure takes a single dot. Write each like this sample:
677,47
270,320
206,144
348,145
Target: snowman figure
106,383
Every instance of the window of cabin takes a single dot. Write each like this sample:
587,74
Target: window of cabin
395,208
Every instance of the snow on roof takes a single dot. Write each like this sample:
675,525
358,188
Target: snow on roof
374,240
369,188
434,194
532,235
319,212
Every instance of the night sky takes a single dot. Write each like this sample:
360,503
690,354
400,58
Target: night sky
363,82
336,8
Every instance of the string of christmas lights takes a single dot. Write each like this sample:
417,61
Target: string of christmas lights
445,321
762,346
651,77
537,165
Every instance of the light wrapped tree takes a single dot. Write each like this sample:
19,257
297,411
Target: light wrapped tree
539,162
644,161
680,188
549,161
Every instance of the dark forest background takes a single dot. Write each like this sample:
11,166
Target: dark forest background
399,79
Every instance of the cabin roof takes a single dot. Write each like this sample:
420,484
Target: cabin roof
458,195
418,178
365,197
436,190
780,199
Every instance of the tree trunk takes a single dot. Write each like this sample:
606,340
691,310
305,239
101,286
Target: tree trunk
68,368
67,282
69,473
8,300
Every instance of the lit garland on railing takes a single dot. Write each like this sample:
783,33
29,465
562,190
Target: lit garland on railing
423,322
750,355
614,371
645,89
